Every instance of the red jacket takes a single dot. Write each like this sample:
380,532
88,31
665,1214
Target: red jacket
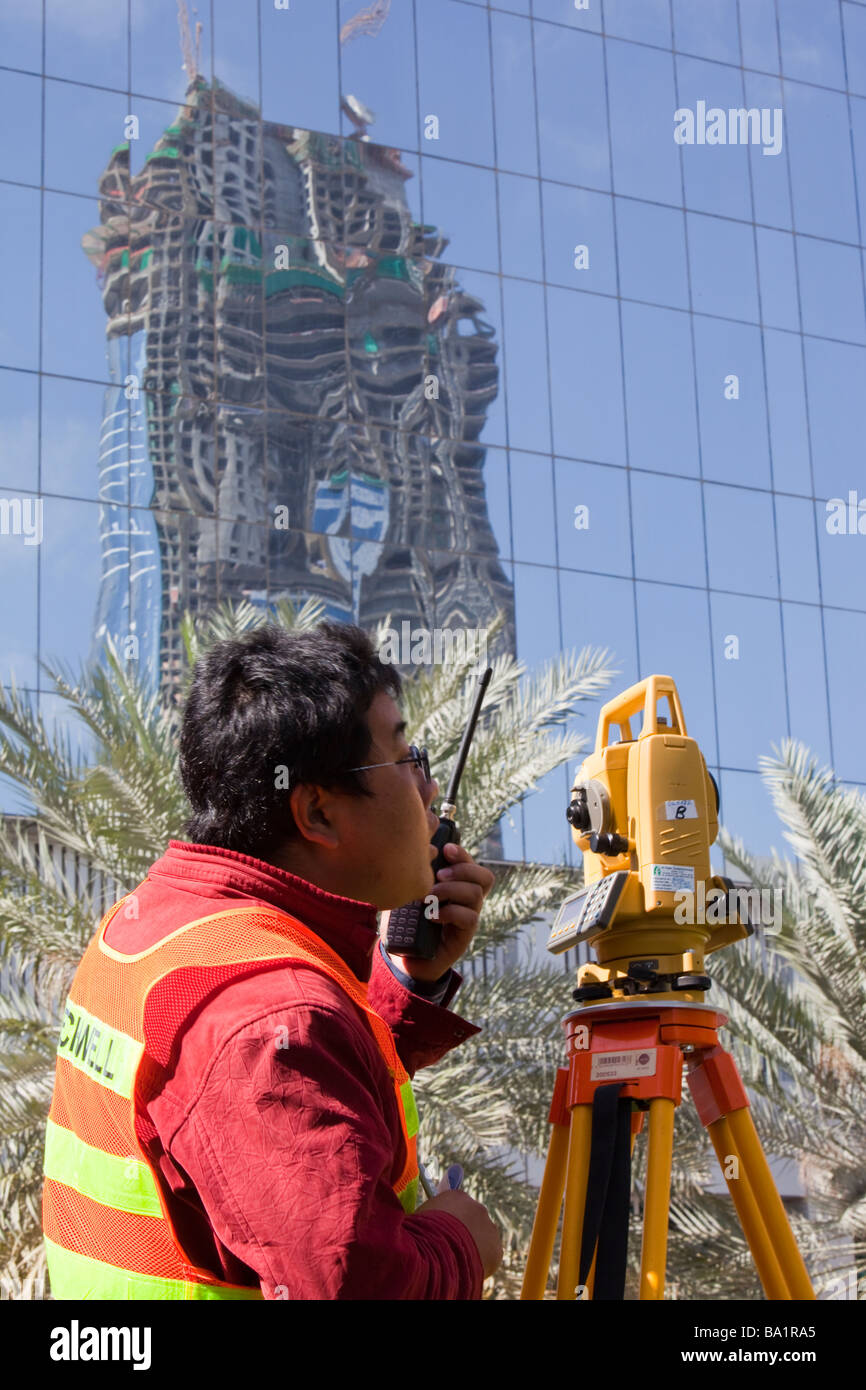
279,1162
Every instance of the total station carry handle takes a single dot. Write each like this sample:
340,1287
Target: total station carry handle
643,696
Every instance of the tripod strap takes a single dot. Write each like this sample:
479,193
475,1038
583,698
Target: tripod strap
608,1194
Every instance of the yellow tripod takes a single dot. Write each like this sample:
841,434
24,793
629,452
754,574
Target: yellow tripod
615,1043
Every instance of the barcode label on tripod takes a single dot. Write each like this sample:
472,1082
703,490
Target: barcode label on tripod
616,1066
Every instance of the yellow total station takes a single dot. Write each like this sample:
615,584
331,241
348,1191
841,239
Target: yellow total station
644,811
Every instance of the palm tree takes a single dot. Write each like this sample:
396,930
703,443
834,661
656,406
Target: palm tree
94,821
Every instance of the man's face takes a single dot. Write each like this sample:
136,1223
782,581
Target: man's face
387,834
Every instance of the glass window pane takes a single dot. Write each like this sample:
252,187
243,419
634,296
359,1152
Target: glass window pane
532,507
652,253
536,614
159,136
476,311
588,600
302,75
548,834
750,684
674,628
770,185
648,21
741,541
468,591
807,678
786,398
516,142
716,175
578,238
747,812
85,44
19,247
567,12
78,438
70,558
798,561
854,24
778,278
758,35
858,131
498,500
592,518
831,289
22,532
732,403
462,202
520,226
710,31
837,413
846,669
822,178
724,275
81,127
233,47
154,35
668,529
21,113
842,545
811,41
526,366
586,370
19,435
662,423
381,73
571,107
454,81
646,162
74,320
21,36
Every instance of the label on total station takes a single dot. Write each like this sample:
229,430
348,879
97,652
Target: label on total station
678,810
619,1066
672,878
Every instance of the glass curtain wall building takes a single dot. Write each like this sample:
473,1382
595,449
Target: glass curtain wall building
436,309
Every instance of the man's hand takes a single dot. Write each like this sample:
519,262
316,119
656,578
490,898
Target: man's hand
461,889
476,1218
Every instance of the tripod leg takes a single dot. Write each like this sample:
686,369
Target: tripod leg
546,1215
747,1209
577,1172
775,1217
657,1200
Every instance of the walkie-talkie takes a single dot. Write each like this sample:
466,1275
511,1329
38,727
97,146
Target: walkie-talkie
410,931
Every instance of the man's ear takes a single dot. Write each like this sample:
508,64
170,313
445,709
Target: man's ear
312,808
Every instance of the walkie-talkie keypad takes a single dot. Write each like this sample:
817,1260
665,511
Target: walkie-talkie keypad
406,932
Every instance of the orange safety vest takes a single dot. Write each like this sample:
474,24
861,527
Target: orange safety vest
107,1231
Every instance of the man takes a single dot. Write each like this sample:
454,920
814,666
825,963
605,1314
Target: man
232,1114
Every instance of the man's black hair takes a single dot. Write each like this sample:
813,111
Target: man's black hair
266,712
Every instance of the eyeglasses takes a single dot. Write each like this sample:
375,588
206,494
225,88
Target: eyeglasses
418,756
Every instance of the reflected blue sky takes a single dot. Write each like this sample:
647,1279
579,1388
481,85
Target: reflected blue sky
705,266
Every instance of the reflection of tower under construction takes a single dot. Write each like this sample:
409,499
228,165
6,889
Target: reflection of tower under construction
306,385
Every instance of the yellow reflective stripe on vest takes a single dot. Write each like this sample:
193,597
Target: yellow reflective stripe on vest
76,1277
409,1197
410,1109
123,1183
100,1052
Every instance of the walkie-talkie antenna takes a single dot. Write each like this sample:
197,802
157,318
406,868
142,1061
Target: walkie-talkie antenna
449,805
